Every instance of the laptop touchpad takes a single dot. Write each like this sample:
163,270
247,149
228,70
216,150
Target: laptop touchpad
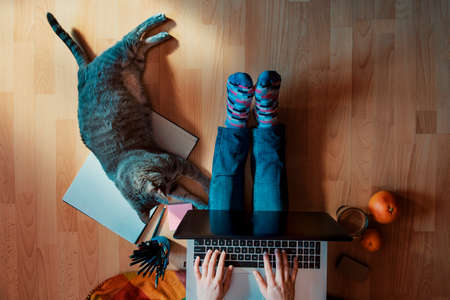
243,286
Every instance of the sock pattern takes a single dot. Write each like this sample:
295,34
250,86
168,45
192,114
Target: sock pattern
266,95
239,99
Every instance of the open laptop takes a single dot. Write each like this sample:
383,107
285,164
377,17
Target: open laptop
245,236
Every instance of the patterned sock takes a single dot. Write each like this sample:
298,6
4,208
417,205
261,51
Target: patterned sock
239,99
266,94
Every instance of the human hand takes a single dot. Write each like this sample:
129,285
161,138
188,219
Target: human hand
212,285
282,287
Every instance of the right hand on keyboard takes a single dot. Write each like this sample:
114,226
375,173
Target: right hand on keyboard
212,284
282,286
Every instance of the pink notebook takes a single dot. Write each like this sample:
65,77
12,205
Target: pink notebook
176,213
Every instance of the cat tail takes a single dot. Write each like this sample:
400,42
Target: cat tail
76,50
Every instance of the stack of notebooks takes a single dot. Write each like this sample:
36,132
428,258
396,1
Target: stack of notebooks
95,195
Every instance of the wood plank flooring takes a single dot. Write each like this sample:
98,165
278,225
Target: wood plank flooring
365,97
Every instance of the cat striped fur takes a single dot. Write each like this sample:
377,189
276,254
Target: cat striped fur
114,116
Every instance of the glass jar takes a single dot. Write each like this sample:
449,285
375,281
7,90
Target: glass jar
354,220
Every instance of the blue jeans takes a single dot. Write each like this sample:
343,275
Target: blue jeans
267,164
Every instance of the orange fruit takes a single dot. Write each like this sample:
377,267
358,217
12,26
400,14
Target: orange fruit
371,240
383,207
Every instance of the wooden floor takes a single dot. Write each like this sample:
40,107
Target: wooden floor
365,97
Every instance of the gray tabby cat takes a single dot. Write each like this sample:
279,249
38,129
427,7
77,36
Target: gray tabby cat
114,119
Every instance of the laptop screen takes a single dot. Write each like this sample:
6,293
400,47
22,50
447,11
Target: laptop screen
263,224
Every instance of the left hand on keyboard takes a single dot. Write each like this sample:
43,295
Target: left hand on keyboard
212,284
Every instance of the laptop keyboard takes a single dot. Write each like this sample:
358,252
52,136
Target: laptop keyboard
249,253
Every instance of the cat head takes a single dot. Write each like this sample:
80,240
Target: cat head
145,179
160,181
146,173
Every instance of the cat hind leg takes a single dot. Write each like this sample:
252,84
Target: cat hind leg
156,39
136,34
151,42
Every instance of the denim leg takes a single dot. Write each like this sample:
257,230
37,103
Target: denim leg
226,191
269,170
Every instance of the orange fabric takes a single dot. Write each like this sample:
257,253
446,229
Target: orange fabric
130,286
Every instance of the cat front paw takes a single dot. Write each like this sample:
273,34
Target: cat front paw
201,205
198,203
205,185
144,215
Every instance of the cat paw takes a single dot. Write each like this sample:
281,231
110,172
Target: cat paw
201,205
157,39
205,182
198,203
144,214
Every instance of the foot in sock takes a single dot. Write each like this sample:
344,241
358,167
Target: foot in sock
266,95
239,99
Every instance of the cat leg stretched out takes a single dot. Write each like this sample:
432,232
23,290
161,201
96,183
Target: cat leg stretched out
114,120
